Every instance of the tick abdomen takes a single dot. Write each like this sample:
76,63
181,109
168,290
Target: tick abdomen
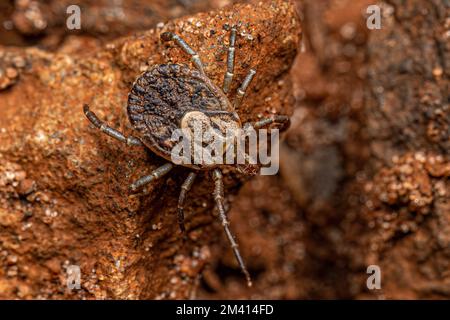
160,98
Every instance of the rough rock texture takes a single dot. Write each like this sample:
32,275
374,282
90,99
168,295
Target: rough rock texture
43,22
408,124
364,167
296,221
64,186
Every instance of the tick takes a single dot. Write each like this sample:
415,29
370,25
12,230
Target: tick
168,97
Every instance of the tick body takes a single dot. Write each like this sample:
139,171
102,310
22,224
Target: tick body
169,97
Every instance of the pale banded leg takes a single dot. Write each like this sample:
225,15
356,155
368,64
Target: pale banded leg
219,198
156,174
241,91
230,62
167,36
131,141
280,119
184,190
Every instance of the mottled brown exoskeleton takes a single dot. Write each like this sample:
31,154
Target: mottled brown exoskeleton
167,97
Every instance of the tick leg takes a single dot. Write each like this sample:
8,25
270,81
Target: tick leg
131,141
241,91
230,62
184,190
280,119
156,174
218,197
167,36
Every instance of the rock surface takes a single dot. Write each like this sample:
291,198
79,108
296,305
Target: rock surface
364,166
64,186
44,23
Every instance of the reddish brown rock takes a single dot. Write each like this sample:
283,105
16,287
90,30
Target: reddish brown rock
28,22
79,211
371,116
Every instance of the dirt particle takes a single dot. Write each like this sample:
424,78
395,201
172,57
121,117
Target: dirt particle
438,72
26,187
